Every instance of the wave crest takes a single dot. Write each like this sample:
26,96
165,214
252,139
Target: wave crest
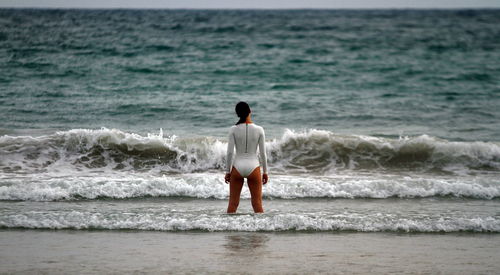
307,151
324,151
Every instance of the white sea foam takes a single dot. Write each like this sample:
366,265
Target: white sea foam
211,185
249,222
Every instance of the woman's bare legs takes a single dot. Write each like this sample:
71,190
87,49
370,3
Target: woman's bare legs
235,185
254,181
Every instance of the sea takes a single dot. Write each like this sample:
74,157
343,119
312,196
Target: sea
381,121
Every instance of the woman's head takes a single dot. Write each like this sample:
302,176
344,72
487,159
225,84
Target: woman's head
242,111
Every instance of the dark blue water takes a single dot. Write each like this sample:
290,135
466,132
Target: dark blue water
377,120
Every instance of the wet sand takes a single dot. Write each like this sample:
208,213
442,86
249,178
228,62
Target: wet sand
66,251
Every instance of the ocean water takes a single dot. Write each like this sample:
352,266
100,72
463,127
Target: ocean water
376,120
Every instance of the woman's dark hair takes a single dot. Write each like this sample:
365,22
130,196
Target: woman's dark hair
242,110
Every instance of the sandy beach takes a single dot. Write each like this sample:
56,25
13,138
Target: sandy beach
94,252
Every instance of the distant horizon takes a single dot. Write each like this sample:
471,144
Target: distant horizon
249,9
254,5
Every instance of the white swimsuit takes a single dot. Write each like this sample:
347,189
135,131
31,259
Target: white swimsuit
246,137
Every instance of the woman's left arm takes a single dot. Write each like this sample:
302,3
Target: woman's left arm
229,156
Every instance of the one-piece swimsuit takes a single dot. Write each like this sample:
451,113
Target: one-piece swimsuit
246,137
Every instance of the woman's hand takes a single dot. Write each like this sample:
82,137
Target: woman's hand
265,178
227,177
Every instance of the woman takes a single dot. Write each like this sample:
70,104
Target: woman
246,136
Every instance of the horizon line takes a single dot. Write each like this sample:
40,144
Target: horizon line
263,9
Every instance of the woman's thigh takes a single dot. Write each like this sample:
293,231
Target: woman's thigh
255,184
235,184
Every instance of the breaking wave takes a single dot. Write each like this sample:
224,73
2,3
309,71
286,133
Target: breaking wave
309,151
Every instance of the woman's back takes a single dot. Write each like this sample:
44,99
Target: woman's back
246,137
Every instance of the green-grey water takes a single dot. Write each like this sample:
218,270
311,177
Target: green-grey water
384,72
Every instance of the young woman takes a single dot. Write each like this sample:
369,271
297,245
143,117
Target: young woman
246,137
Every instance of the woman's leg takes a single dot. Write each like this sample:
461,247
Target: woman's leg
235,185
254,181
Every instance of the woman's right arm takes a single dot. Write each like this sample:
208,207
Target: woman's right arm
262,150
